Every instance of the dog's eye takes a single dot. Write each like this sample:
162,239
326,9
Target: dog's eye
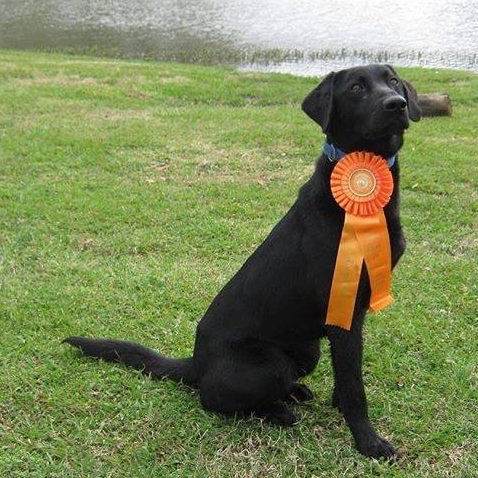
356,87
394,82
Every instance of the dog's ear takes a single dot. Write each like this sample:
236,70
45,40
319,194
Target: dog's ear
414,111
318,104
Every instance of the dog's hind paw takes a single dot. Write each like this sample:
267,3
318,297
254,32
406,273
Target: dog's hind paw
299,393
278,414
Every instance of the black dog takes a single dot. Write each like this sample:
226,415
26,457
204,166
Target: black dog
262,331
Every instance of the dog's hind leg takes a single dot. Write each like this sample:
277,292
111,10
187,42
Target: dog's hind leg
305,357
253,380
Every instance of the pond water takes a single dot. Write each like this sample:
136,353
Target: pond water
298,36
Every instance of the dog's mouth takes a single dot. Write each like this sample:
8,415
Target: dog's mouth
387,129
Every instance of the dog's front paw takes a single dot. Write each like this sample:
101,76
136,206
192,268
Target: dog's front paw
374,446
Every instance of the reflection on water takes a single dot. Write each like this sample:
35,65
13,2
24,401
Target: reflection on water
306,37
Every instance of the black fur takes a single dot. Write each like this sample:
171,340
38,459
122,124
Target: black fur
262,332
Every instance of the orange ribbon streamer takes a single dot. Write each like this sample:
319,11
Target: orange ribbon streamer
364,236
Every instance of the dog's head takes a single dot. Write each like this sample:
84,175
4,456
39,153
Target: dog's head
364,108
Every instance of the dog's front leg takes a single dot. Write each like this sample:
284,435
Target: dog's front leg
349,392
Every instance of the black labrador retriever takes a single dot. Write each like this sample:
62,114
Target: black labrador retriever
262,332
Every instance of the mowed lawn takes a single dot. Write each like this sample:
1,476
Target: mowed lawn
130,192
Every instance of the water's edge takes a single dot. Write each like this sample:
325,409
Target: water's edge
295,62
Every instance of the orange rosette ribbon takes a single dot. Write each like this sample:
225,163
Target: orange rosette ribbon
362,185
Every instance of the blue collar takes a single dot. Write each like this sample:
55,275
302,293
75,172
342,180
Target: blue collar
336,154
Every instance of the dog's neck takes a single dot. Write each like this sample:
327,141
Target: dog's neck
385,147
335,154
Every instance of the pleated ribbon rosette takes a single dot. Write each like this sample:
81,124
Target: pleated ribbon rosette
362,185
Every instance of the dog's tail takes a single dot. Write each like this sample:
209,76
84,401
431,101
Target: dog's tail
138,357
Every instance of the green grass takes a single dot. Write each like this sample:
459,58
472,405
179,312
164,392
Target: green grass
131,191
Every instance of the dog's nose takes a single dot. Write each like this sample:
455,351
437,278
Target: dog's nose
395,103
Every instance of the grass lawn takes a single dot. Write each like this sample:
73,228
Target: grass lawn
131,191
